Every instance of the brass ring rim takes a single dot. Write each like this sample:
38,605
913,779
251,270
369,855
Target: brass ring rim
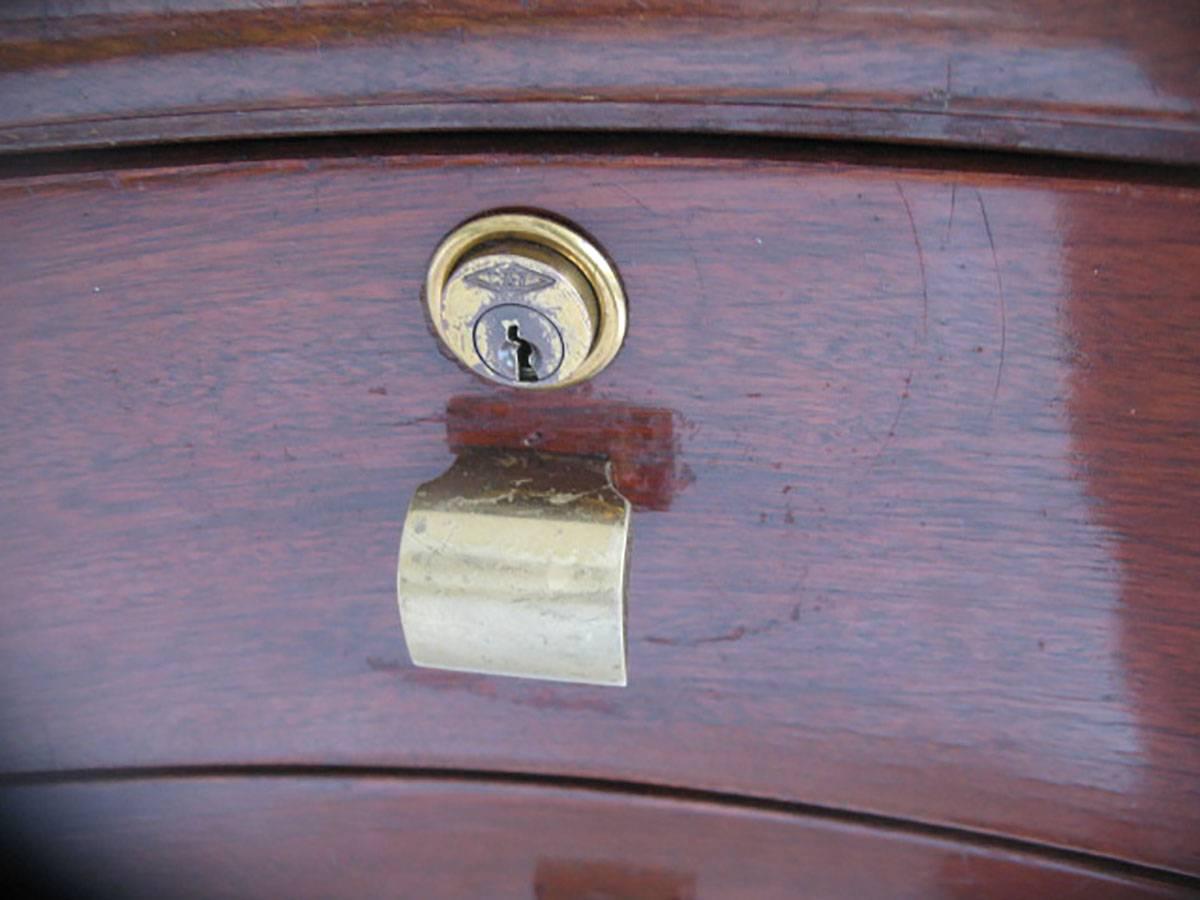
578,250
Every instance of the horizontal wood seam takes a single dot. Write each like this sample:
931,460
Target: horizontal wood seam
1049,853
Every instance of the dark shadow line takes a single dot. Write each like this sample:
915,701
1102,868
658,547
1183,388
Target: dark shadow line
589,145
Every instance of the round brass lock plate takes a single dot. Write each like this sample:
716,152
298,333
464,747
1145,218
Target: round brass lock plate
526,301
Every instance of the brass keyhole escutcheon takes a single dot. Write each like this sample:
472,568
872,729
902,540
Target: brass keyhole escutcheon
526,301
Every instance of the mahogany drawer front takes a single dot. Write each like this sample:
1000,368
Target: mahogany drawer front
214,837
927,551
1110,78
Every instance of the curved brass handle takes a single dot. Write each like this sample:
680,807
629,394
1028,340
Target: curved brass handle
514,563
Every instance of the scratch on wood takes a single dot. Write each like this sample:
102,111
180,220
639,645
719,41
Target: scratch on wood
628,193
953,203
416,420
987,225
920,262
891,432
736,634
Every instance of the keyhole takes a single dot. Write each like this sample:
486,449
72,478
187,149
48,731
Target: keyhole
525,351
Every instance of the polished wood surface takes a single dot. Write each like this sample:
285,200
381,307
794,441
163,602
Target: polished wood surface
1116,78
385,837
929,549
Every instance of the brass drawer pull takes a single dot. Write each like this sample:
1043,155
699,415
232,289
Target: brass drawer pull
514,563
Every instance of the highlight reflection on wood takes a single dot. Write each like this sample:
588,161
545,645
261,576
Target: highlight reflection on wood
932,551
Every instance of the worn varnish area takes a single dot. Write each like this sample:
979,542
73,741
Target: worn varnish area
934,557
1117,78
642,444
308,837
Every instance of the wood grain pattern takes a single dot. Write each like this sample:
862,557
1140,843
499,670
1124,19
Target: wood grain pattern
380,837
935,558
1116,78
